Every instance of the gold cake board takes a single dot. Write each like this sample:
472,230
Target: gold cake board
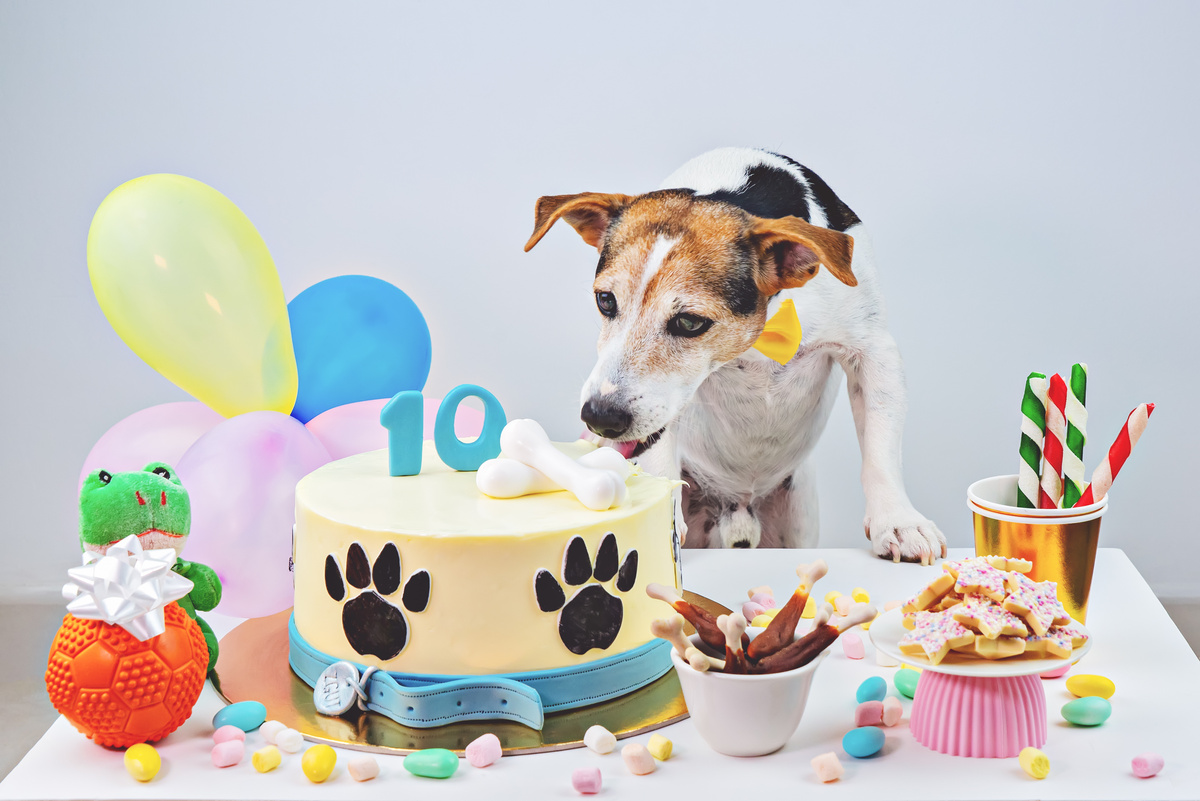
253,666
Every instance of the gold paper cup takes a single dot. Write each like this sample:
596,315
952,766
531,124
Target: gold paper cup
1060,543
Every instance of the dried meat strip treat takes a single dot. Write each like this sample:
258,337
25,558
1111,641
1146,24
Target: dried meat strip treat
806,649
782,628
703,622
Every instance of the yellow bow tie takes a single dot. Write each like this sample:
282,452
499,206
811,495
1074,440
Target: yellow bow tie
781,335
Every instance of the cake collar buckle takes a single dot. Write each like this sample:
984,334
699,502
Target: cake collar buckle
339,689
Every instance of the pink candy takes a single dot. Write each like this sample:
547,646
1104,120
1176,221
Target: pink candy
1147,765
586,781
751,610
484,750
638,759
828,768
893,710
869,713
227,733
763,599
842,604
852,645
228,753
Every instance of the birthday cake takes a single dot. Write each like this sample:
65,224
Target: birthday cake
473,607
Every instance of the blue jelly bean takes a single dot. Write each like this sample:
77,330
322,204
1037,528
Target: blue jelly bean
863,742
246,715
873,689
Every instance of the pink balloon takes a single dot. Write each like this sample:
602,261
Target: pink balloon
242,478
354,427
158,434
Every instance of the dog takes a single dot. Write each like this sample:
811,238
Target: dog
687,279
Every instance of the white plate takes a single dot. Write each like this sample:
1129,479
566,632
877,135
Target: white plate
888,629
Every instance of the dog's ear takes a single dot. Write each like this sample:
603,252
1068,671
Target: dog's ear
791,250
589,213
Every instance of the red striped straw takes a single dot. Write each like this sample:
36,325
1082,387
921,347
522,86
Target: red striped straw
1051,489
1107,470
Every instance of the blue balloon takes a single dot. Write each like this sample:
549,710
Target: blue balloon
356,338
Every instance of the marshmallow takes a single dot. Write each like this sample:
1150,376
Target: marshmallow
893,710
751,610
484,750
860,595
883,660
362,768
832,596
890,605
660,747
228,753
868,713
600,740
270,730
764,599
227,733
266,759
143,762
289,740
586,781
842,604
1147,765
827,766
526,442
638,759
1034,762
852,645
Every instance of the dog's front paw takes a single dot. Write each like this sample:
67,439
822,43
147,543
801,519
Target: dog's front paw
904,535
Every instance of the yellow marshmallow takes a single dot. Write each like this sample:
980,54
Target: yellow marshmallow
860,595
1034,762
660,747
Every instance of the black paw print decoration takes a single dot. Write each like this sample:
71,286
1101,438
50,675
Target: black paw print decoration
592,618
373,624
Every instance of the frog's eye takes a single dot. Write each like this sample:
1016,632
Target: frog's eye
104,476
161,471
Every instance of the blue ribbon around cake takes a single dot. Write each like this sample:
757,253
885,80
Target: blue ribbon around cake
423,701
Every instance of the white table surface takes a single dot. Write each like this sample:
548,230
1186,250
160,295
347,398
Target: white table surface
1156,708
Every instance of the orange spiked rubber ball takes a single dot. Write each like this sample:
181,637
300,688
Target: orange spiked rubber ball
120,691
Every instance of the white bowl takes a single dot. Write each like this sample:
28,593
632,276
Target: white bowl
746,715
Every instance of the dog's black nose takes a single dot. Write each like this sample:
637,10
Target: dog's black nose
605,419
742,544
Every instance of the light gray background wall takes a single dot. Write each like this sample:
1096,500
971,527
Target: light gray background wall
1028,173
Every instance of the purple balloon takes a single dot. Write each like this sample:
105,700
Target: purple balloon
242,478
355,428
158,434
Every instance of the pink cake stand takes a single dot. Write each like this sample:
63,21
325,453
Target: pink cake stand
973,707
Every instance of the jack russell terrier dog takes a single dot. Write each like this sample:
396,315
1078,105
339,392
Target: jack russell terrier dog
687,279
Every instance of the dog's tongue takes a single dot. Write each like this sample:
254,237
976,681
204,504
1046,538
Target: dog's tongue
626,449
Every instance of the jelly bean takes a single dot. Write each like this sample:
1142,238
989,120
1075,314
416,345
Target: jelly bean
246,715
828,767
484,750
228,753
266,759
860,595
893,710
863,742
869,713
1147,765
810,608
600,740
1034,762
1090,711
660,747
1084,685
432,763
873,689
1058,671
289,740
318,763
362,768
638,759
142,762
852,645
270,730
226,733
586,781
906,682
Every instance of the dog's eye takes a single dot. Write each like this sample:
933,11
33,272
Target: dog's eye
606,302
688,325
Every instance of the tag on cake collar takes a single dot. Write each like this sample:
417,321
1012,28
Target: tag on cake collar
781,335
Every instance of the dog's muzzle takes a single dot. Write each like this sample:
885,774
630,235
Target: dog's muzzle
605,419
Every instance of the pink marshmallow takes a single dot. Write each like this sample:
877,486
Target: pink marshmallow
869,713
751,610
1057,672
893,710
763,599
228,753
227,733
842,604
890,605
827,766
484,750
1147,765
586,781
638,759
852,645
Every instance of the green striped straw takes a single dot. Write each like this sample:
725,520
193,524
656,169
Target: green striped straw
1074,479
1033,431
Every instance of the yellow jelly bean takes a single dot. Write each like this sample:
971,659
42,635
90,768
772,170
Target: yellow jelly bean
267,759
761,621
142,762
1087,684
832,596
860,595
660,747
1034,762
318,763
810,609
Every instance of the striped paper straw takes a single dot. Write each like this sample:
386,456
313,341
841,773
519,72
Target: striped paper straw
1050,491
1033,429
1073,472
1104,474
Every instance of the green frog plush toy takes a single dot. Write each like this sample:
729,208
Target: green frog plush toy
152,504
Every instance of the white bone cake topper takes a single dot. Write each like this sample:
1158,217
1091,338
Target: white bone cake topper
535,465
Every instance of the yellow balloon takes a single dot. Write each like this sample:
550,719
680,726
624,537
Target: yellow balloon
184,278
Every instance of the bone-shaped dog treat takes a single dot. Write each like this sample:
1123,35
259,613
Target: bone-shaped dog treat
782,628
526,441
806,649
733,627
703,622
671,630
702,661
509,478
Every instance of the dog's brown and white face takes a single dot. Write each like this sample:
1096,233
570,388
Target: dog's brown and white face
683,285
